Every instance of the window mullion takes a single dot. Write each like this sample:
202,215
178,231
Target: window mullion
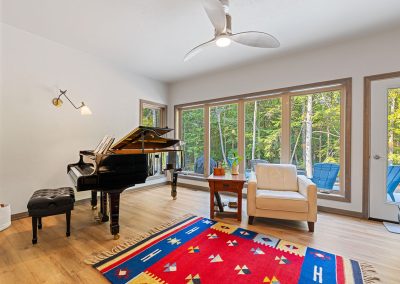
285,140
206,140
241,136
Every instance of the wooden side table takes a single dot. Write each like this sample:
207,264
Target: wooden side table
228,183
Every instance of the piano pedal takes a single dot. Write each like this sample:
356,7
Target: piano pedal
94,207
116,236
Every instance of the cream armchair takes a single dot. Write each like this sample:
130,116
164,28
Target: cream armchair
276,191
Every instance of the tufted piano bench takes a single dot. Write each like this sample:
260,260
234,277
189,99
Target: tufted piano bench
48,202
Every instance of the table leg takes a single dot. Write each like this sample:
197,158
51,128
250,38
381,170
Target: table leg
219,202
212,200
240,204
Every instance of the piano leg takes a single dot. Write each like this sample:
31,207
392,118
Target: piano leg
174,183
114,213
93,201
103,207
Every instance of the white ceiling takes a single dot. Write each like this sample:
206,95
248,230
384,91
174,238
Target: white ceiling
150,37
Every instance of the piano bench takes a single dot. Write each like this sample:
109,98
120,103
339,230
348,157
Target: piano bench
49,202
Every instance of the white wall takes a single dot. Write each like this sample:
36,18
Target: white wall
357,58
39,140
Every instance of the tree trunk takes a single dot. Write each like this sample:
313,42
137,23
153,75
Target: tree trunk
308,141
328,142
253,148
295,145
320,148
303,135
221,140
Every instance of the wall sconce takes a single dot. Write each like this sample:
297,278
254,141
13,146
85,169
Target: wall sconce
57,102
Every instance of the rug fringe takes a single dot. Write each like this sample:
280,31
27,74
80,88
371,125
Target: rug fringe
99,256
370,276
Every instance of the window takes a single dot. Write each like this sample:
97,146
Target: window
152,114
223,134
263,131
193,136
393,155
308,126
394,126
315,137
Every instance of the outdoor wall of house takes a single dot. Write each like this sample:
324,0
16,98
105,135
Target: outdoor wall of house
356,58
39,140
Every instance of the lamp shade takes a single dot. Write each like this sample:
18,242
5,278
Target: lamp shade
85,110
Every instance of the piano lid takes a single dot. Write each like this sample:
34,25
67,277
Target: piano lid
144,137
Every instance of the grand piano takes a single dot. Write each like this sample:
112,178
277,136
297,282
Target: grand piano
128,162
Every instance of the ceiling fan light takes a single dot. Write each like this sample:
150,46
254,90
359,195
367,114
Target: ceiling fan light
223,41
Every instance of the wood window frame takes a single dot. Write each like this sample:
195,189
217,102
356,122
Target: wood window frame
345,86
149,104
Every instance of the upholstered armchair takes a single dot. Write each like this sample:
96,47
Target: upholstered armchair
276,191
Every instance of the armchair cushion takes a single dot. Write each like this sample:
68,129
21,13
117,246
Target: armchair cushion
276,177
290,201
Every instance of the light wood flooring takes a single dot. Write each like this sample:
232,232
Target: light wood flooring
57,259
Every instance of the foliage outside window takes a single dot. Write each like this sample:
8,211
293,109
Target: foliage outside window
302,126
263,131
151,117
315,131
394,126
152,114
223,133
193,135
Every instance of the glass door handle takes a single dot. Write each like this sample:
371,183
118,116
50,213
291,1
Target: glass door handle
377,157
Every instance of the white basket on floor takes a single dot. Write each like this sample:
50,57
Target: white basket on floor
5,216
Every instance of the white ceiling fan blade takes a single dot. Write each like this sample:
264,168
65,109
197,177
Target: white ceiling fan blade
216,13
256,39
198,49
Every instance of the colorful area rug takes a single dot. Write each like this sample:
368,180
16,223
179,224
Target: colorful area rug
199,250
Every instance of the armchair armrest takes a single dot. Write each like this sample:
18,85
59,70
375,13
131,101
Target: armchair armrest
309,190
306,187
251,195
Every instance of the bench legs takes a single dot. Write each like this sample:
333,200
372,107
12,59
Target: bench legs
37,224
34,230
68,217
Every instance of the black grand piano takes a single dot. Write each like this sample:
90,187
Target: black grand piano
127,163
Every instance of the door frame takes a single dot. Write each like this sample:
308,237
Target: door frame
367,134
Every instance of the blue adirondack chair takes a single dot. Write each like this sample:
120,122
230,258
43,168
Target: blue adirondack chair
199,165
325,174
392,180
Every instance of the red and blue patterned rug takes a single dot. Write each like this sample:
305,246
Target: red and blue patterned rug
199,250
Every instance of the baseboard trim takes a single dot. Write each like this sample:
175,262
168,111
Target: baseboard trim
207,189
18,216
22,215
341,212
192,186
320,208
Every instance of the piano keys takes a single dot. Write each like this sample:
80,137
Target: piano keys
129,162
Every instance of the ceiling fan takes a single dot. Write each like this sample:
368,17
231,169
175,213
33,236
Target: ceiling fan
218,13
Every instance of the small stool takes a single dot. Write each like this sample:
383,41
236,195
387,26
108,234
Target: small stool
49,202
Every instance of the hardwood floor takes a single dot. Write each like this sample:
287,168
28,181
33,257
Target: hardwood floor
57,259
